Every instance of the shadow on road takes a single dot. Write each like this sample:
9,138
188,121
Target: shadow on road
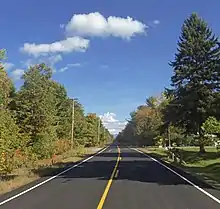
133,167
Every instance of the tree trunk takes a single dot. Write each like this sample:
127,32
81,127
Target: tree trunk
201,148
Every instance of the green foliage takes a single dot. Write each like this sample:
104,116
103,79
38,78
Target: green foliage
181,115
10,141
2,54
143,128
6,88
63,107
80,125
195,68
36,108
211,126
196,78
36,121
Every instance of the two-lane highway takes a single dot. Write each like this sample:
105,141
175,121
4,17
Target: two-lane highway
144,183
118,177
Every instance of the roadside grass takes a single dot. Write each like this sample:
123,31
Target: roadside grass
23,176
204,166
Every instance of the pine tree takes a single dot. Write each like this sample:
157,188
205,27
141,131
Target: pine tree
196,70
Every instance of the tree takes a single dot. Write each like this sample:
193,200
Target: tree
9,133
195,79
211,126
143,127
6,87
2,54
36,121
36,109
128,134
92,129
10,141
80,127
63,117
152,102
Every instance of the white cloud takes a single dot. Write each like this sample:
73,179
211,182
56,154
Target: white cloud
50,61
62,26
28,62
156,22
16,74
54,59
8,65
74,65
111,123
64,46
63,69
95,24
108,117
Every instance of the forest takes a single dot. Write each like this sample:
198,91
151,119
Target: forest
37,120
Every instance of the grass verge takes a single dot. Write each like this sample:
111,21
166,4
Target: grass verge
205,167
45,167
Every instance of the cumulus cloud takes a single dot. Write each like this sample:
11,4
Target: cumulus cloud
16,74
64,46
8,65
111,123
95,24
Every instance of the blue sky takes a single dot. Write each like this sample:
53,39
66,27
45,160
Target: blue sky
114,63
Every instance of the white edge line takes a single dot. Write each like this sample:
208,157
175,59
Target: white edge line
182,177
51,178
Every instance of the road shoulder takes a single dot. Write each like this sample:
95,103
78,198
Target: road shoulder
49,176
199,184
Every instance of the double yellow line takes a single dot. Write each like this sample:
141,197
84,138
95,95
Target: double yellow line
104,196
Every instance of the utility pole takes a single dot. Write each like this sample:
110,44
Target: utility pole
72,132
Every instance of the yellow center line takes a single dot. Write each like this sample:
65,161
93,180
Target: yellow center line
116,174
102,201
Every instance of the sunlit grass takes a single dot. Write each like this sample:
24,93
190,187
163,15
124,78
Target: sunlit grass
205,166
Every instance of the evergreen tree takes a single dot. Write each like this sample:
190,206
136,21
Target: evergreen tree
196,70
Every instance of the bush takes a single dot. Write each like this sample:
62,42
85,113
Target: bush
44,146
62,146
10,141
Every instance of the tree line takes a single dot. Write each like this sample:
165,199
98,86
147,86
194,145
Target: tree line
36,120
187,113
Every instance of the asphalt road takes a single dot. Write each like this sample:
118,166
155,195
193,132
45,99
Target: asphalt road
118,178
